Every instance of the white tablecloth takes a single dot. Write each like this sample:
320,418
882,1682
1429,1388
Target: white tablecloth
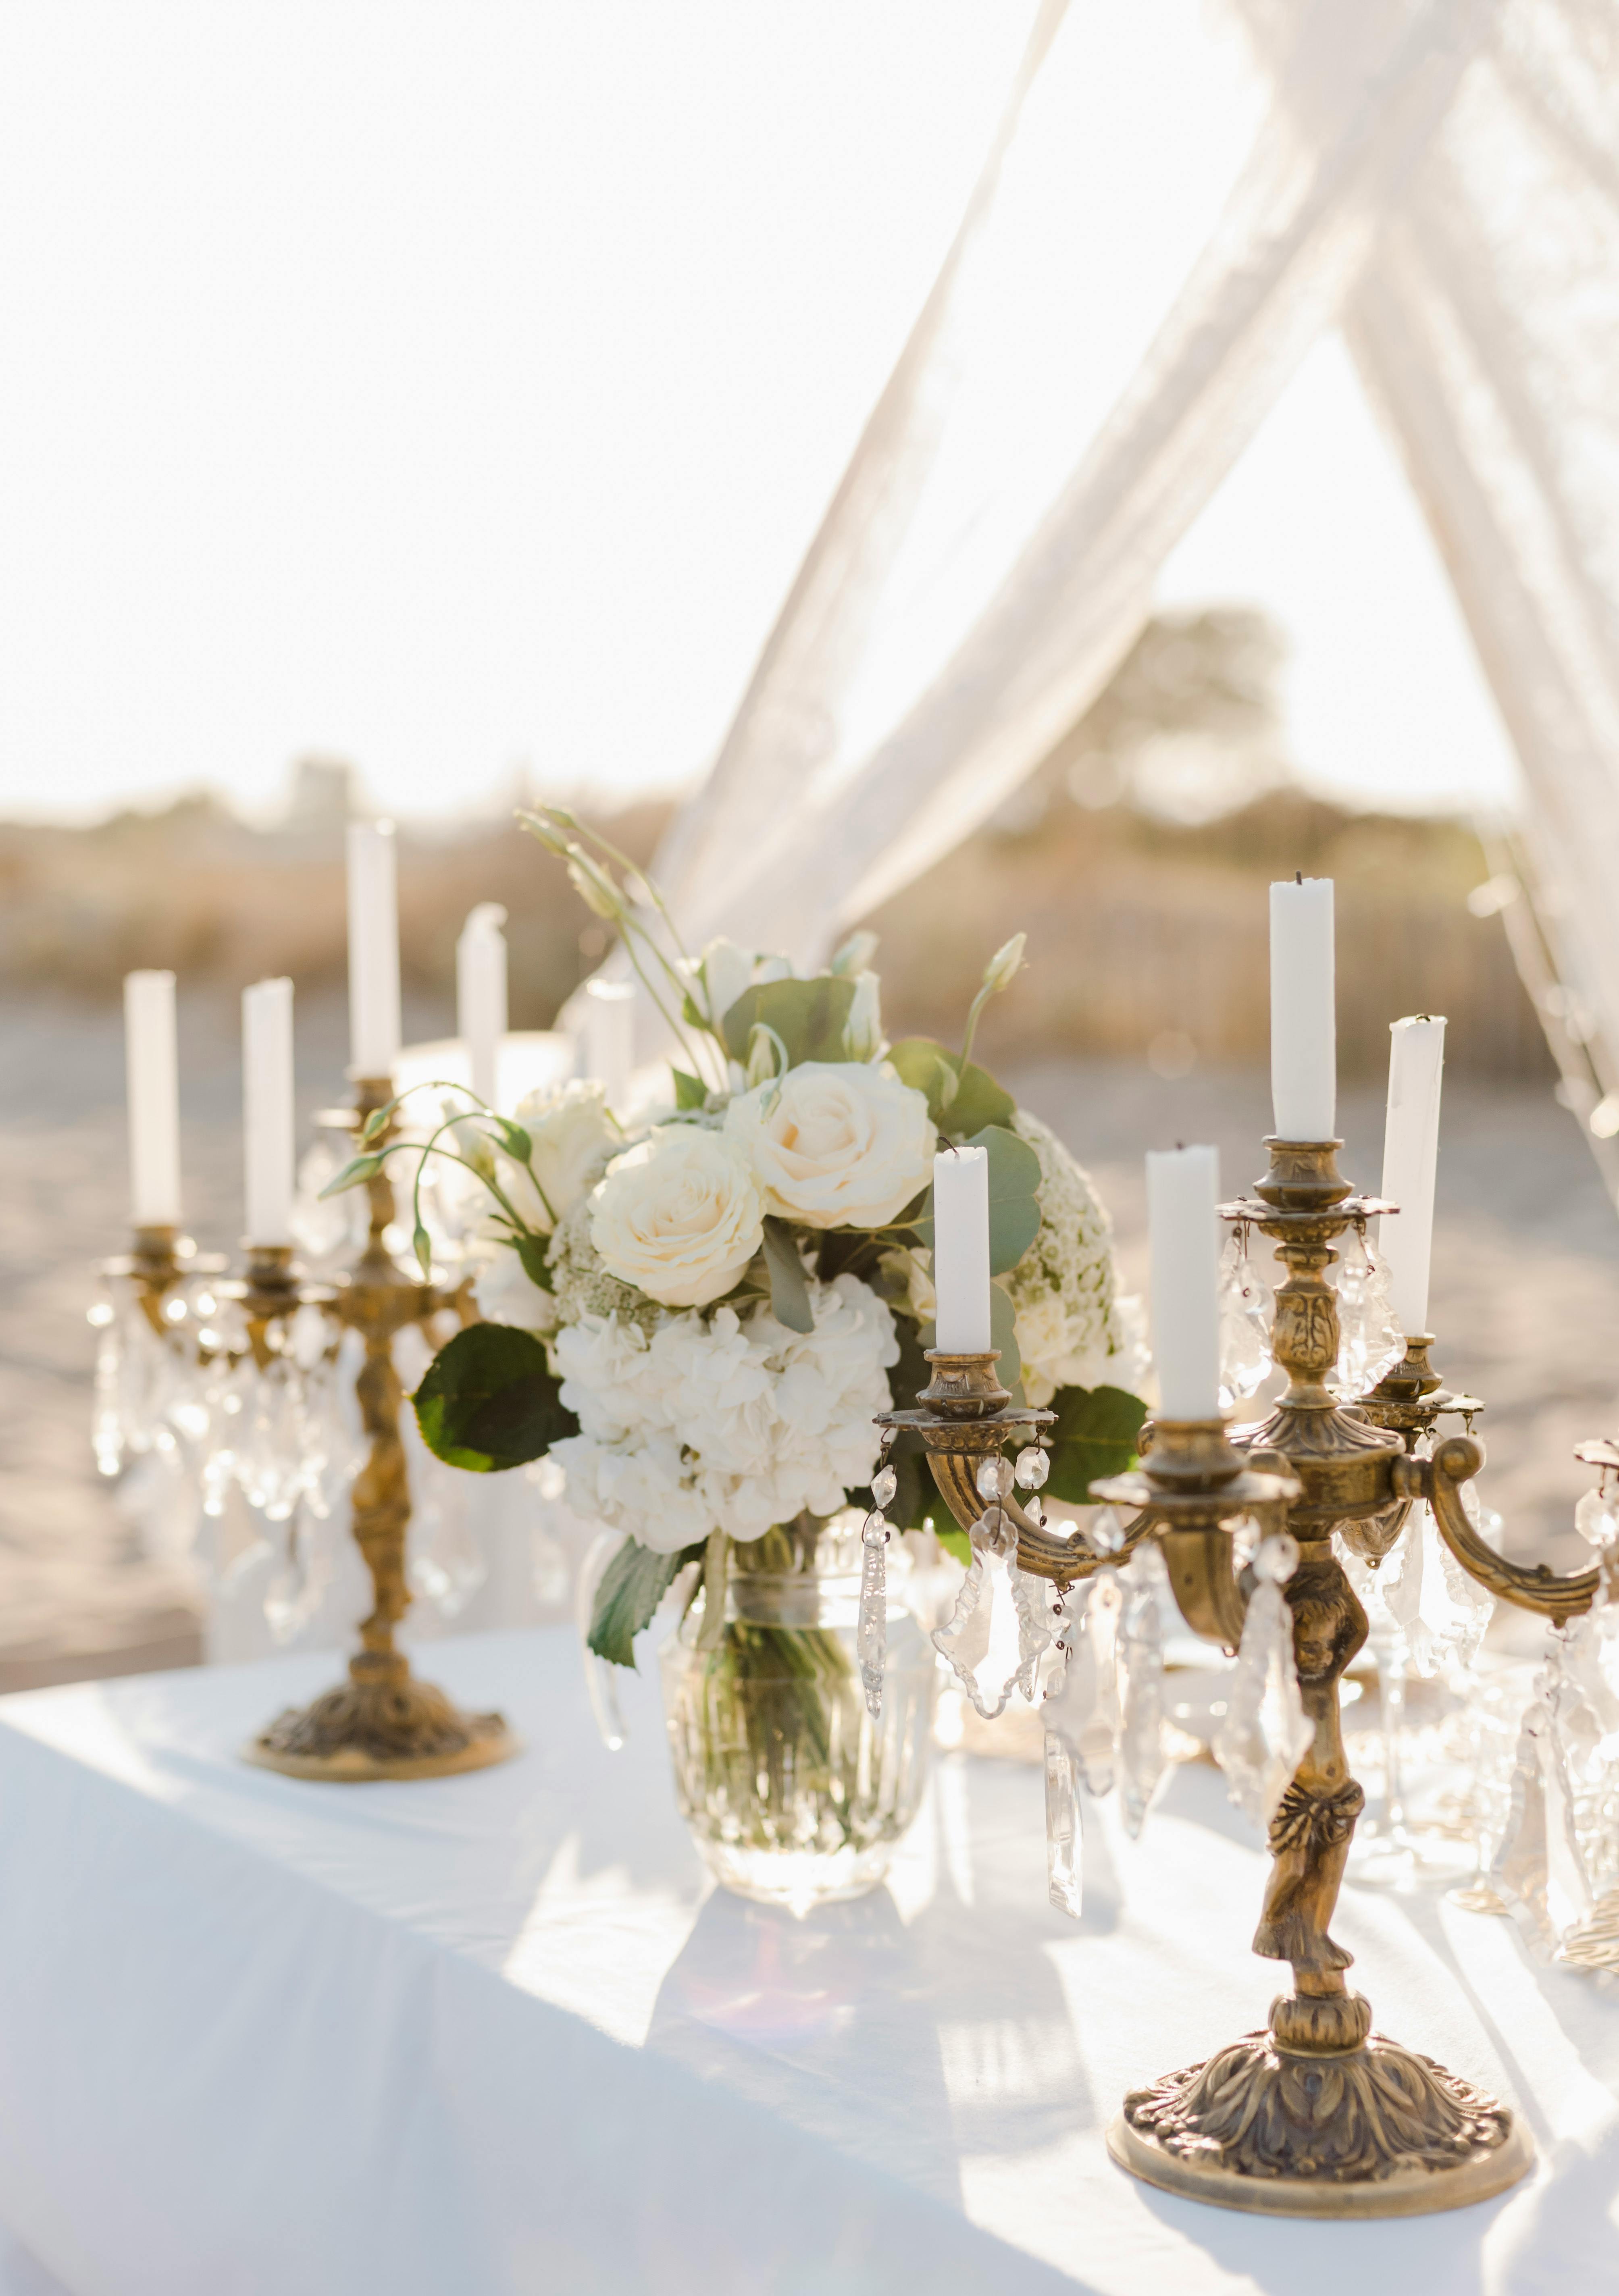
493,2034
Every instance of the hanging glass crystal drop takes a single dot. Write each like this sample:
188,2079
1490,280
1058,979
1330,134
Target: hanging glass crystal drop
1104,1531
994,1477
995,1635
1033,1467
1370,1341
1539,1870
1036,1626
1265,1731
1441,1611
871,1628
1597,1519
1244,1323
884,1484
1083,1709
1064,1822
1143,1584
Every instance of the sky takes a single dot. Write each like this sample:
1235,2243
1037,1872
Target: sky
455,389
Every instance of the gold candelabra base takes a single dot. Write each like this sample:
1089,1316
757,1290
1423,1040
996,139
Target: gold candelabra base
381,1723
1372,2131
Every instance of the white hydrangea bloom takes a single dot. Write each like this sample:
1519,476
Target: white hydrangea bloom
1072,1328
724,1422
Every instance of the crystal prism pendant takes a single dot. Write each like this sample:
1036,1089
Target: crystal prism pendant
1245,1324
1262,1738
1083,1709
1441,1611
871,1627
1142,1760
1597,1519
1540,1869
1064,1879
994,1637
1370,1341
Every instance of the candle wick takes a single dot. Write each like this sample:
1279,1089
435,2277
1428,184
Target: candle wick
1298,876
943,1144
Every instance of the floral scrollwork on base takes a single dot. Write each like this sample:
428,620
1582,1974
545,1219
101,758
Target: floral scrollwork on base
1348,2118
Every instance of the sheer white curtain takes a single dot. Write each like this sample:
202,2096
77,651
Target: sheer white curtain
1441,178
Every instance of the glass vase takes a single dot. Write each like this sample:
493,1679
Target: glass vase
794,1794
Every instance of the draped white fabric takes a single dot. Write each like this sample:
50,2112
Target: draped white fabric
1438,176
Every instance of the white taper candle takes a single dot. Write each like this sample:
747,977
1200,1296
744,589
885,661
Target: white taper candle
373,950
1303,1021
267,1111
961,1252
610,1023
1411,1159
1182,1195
480,996
152,1088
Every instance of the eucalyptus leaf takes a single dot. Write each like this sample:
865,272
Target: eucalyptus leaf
690,1091
1095,1436
810,1017
488,1400
789,1292
632,1585
976,1099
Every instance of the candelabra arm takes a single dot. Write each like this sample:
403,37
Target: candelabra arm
1439,1480
1208,1592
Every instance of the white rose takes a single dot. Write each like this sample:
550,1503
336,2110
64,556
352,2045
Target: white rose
680,1216
836,1144
572,1136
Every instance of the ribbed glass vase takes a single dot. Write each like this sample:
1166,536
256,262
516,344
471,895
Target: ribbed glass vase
793,1794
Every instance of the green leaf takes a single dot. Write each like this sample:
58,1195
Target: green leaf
1015,1209
810,1017
489,1402
977,1100
690,1091
358,1168
632,1585
1095,1436
789,1292
534,1252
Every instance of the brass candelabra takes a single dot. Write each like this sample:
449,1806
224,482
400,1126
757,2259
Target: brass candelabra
384,1722
1316,2115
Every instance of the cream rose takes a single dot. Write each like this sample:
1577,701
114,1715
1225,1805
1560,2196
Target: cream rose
680,1216
571,1137
835,1143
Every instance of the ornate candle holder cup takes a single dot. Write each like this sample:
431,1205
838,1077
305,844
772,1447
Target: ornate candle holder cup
384,1722
1316,2115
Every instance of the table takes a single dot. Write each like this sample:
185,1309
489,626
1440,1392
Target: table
494,2036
